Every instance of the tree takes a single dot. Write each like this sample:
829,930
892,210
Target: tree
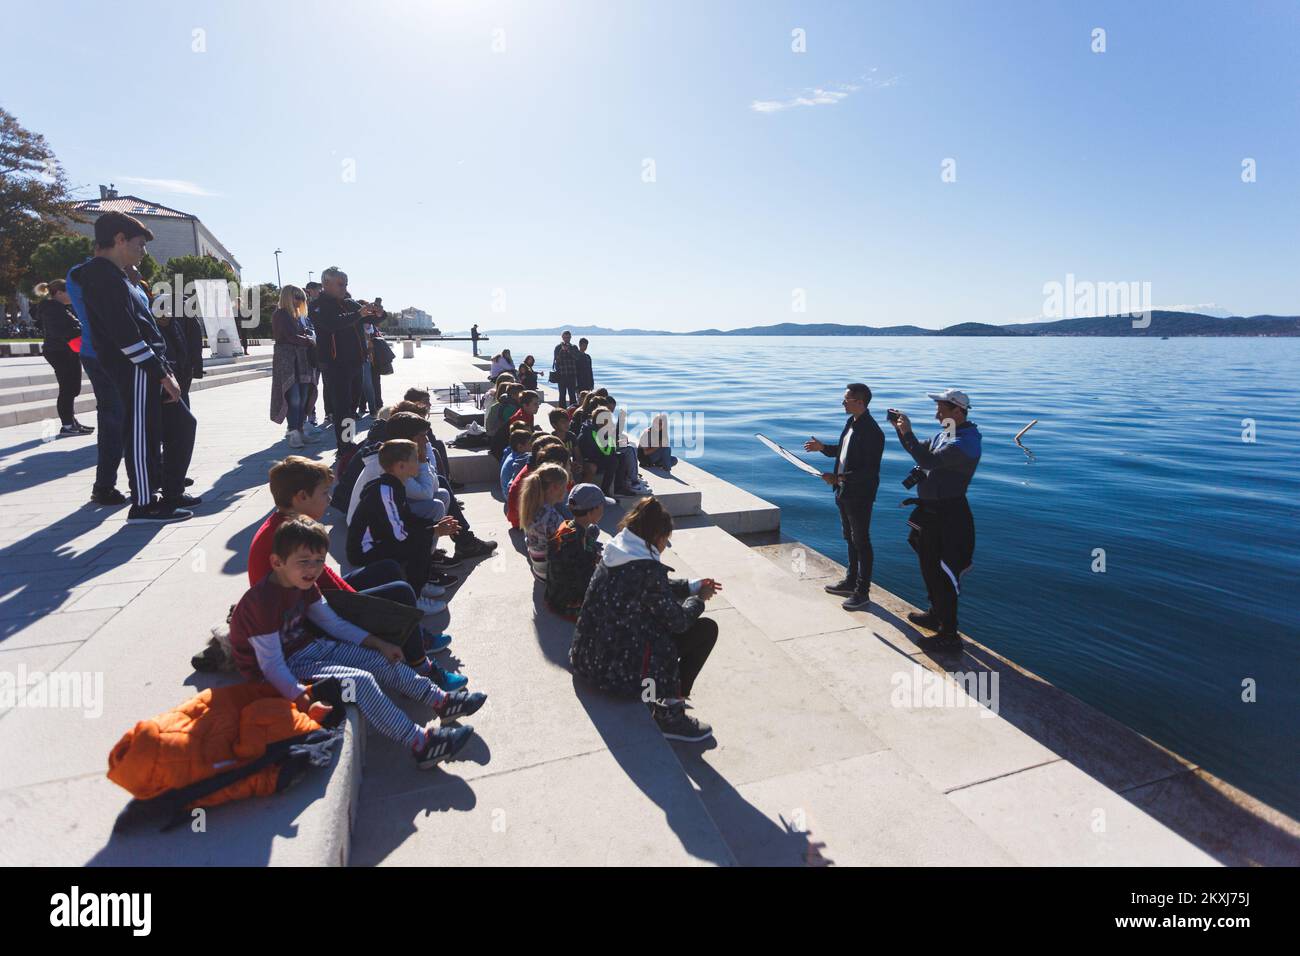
197,267
34,200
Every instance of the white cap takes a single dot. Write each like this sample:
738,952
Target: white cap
952,396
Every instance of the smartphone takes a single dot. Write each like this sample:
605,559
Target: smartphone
892,415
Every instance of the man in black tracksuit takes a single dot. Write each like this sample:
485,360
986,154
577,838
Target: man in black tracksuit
340,350
133,352
855,479
943,528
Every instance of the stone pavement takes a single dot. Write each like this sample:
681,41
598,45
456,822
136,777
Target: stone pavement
837,739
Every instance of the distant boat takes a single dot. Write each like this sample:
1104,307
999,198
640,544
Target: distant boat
1164,338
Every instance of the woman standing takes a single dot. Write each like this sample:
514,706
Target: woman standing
62,328
292,373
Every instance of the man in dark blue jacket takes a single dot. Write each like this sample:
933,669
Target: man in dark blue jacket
856,478
341,351
943,528
129,346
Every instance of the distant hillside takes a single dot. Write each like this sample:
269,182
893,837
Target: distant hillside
1172,324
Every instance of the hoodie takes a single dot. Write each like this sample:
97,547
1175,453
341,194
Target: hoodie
627,547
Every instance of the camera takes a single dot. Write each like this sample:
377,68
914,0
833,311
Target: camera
914,477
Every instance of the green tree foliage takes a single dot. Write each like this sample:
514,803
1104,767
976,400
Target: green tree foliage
33,199
196,267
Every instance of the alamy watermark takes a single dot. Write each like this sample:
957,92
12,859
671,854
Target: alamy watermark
1083,299
922,688
55,690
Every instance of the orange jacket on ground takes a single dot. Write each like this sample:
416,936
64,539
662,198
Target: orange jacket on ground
218,730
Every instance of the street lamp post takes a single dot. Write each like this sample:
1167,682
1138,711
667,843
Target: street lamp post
277,269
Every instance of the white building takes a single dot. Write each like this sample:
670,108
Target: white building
175,233
414,320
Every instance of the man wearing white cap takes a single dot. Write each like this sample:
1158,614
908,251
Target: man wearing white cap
943,528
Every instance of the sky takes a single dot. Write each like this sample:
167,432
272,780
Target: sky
683,165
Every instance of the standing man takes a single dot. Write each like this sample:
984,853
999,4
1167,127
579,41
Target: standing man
473,337
943,528
110,415
340,350
586,380
855,479
132,351
566,370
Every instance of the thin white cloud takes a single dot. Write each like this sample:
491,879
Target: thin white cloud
180,187
822,96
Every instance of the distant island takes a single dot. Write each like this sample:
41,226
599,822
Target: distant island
1163,324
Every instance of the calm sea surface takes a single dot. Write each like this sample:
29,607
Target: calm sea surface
1139,451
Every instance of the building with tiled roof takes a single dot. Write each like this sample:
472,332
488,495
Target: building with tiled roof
175,233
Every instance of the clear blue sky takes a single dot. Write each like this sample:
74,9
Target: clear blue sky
521,170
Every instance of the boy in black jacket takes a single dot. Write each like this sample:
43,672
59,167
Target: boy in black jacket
383,525
132,351
855,479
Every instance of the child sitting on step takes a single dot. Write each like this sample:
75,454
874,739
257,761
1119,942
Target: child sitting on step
271,640
543,490
574,551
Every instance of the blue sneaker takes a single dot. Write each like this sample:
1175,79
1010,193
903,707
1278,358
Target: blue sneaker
436,644
446,680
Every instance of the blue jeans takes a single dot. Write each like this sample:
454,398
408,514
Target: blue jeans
368,388
110,419
296,396
661,458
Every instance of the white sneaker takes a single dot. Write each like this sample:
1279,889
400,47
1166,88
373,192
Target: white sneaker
430,606
295,439
431,590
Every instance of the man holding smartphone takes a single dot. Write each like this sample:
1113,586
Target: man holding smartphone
856,478
341,351
943,528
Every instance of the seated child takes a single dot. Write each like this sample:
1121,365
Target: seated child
529,403
543,490
653,449
521,442
574,552
546,451
428,499
271,640
300,488
383,525
560,429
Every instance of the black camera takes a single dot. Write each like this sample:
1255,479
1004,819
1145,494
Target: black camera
891,415
914,477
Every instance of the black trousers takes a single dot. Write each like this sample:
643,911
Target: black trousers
943,537
158,437
855,523
694,647
67,372
342,388
415,555
568,387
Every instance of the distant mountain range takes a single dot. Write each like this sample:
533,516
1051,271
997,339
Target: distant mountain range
1171,324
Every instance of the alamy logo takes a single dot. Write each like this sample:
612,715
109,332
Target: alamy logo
73,909
1082,299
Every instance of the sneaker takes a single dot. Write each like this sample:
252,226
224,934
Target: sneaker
437,643
295,439
442,578
157,513
675,724
845,588
328,423
460,703
430,605
441,557
83,429
183,501
432,590
926,619
69,430
441,743
856,602
471,547
448,681
107,496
